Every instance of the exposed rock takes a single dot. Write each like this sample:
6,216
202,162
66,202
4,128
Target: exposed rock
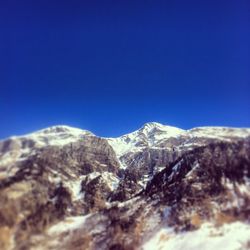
65,188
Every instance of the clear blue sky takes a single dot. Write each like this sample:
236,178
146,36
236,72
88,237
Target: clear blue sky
110,66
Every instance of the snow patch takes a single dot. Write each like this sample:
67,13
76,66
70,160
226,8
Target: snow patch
219,132
232,236
68,224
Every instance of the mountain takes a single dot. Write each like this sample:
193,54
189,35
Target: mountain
159,187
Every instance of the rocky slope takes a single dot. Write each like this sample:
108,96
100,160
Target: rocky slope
159,187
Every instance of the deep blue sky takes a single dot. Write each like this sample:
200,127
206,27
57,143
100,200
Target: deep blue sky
110,66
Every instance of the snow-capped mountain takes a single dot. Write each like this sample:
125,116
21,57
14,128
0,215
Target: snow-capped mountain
154,188
156,135
19,147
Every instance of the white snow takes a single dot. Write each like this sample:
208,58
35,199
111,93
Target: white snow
56,135
147,136
111,180
92,175
237,193
68,224
6,158
219,132
161,131
232,236
53,136
75,187
122,145
175,170
151,135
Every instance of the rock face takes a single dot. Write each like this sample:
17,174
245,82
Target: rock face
159,187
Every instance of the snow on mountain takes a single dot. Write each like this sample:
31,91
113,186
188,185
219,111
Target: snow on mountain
68,224
147,136
19,147
159,187
55,136
232,236
150,135
155,135
219,132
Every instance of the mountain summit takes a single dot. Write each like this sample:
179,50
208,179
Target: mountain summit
159,187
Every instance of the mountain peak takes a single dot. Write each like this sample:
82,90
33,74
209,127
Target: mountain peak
57,129
152,125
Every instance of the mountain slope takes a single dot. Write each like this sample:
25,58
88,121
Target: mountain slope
154,188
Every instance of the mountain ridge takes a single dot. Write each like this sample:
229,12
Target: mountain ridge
63,187
64,127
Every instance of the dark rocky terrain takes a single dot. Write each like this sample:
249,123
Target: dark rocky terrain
157,188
